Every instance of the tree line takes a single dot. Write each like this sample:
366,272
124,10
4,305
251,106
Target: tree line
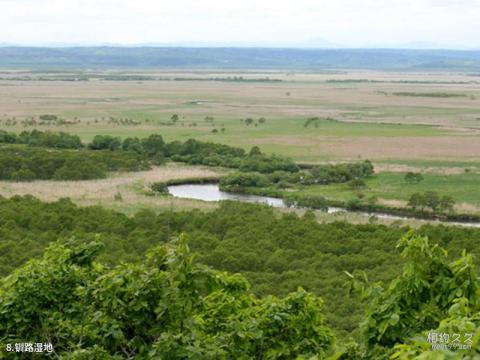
151,150
50,139
28,163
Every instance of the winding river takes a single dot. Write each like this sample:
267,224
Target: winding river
211,192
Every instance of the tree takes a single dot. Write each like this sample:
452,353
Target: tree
105,142
132,144
432,200
417,200
174,118
248,121
254,151
153,145
447,203
159,187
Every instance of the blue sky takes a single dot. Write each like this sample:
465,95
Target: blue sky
346,23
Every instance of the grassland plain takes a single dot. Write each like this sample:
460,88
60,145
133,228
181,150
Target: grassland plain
371,121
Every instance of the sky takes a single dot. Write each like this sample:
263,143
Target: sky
301,23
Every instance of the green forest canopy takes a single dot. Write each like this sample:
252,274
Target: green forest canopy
170,307
276,253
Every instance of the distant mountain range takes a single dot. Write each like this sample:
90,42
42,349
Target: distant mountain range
196,57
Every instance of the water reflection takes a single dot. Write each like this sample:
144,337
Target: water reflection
211,192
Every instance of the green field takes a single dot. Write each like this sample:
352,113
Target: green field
387,186
284,136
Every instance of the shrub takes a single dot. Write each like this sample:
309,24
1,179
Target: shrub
159,187
105,142
307,201
241,180
413,178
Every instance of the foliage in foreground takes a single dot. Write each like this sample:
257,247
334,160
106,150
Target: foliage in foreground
168,307
431,301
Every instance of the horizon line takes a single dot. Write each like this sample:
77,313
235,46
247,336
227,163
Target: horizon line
226,46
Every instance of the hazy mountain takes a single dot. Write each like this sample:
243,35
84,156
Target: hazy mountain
238,58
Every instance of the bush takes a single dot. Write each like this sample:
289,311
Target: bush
354,204
7,138
413,178
236,181
307,201
105,142
159,187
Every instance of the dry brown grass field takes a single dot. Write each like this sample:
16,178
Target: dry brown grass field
133,188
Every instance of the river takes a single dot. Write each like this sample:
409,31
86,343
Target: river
211,192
